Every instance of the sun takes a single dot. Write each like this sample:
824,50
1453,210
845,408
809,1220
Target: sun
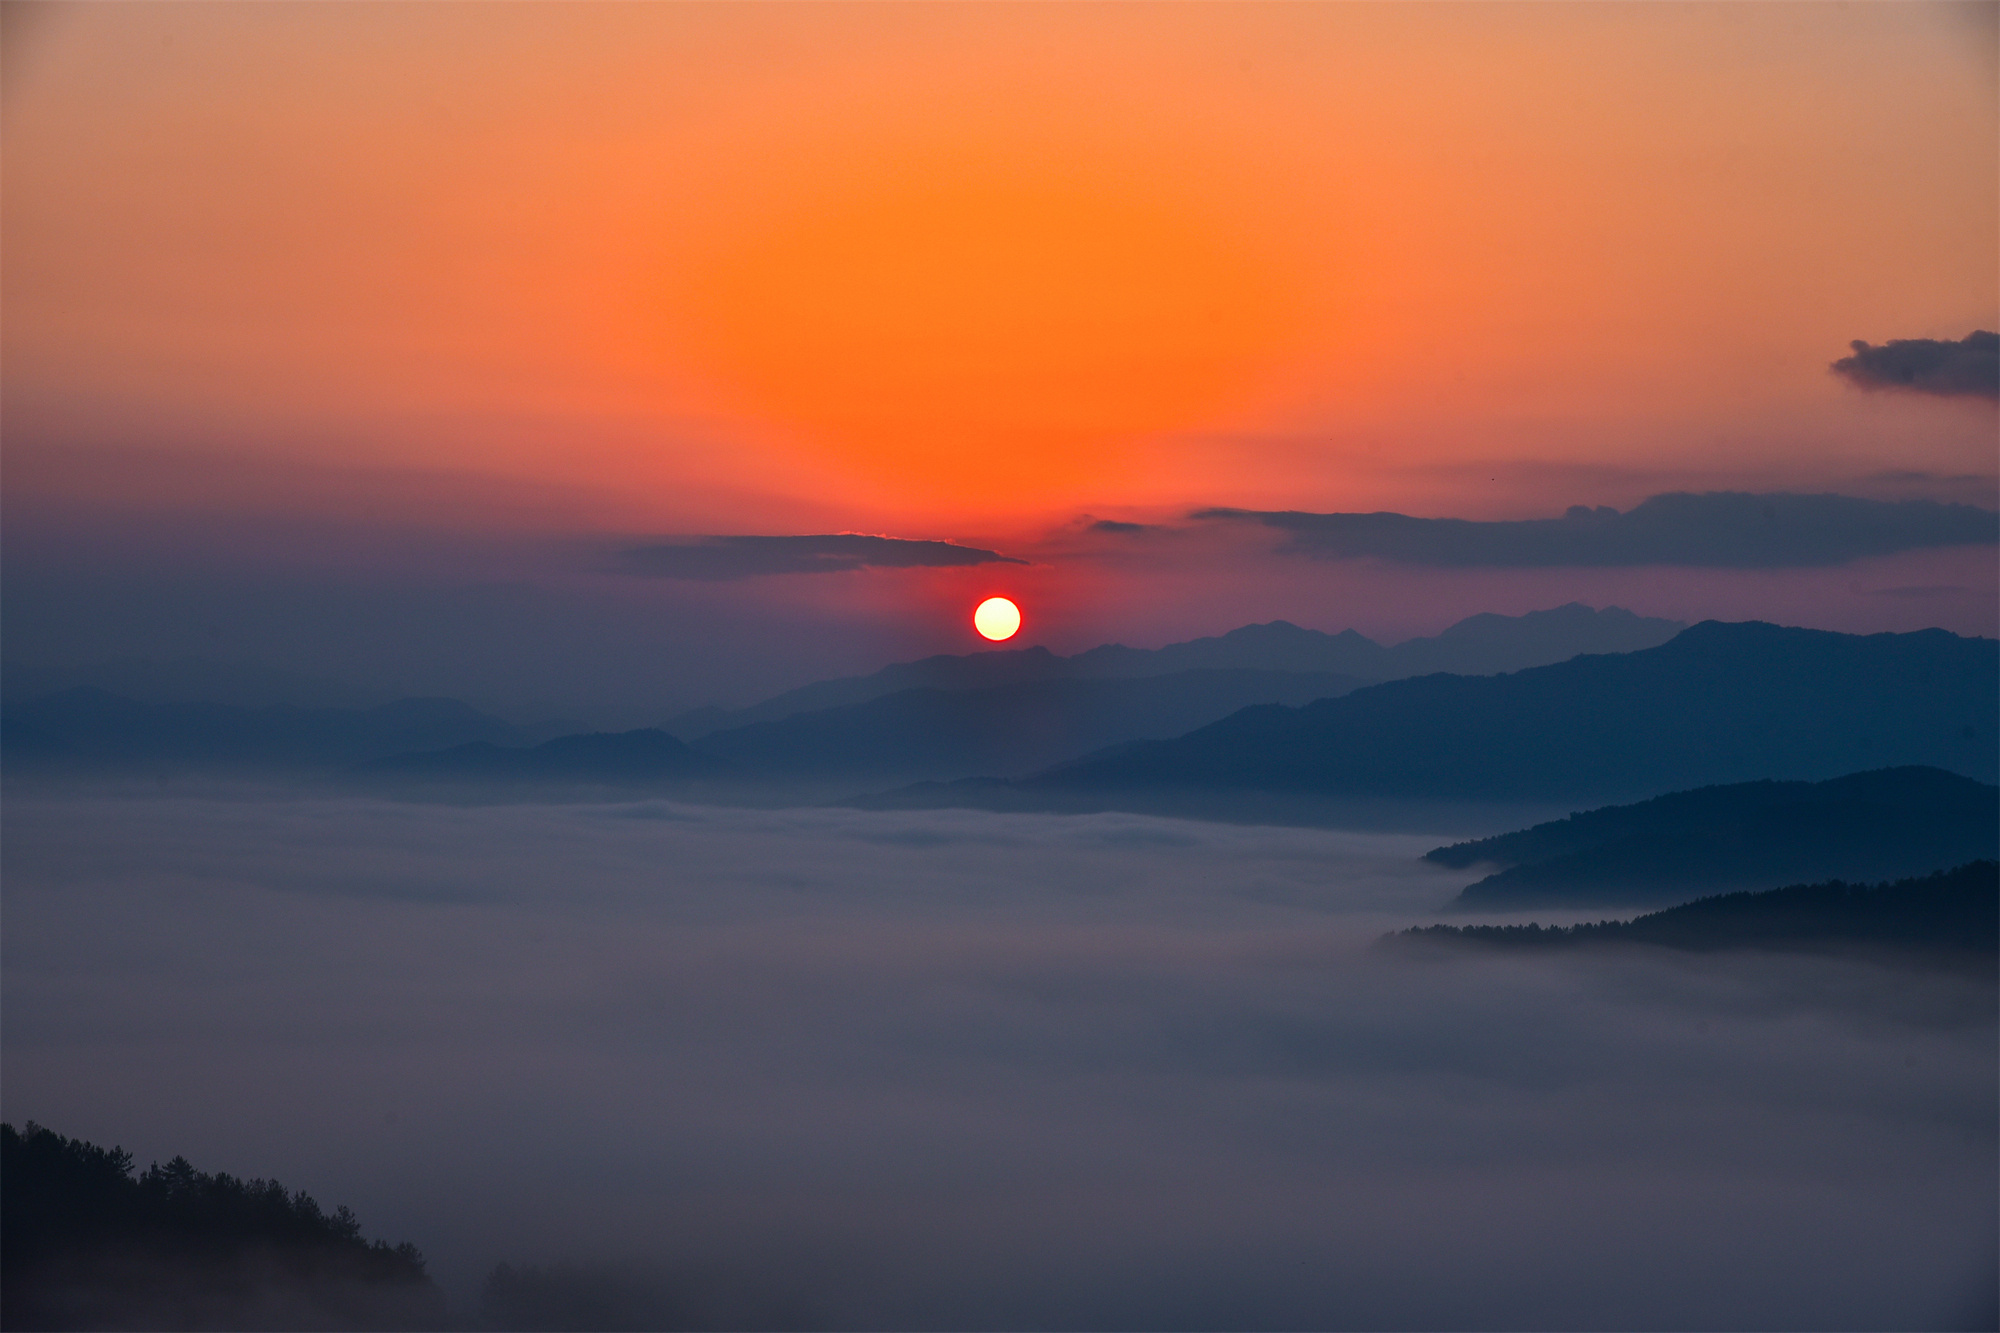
997,618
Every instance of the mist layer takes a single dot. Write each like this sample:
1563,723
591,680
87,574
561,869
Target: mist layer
952,1069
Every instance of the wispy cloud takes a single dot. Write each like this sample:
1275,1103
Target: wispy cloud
1969,367
716,559
1722,529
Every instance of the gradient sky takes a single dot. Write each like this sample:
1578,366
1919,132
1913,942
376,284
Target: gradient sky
390,298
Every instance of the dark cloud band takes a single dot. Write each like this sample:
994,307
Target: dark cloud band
1719,530
1969,367
716,559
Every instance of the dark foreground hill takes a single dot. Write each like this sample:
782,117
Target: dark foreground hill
1950,919
1887,824
1720,703
1474,646
86,1244
1005,729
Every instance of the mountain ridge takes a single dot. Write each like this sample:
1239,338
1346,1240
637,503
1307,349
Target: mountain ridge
1719,703
1477,644
91,726
1020,727
1878,825
1947,920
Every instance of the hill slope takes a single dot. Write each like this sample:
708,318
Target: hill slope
1476,645
1016,728
1886,824
84,1244
1719,703
1950,918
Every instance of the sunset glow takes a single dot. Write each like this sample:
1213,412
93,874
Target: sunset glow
1005,318
571,277
993,263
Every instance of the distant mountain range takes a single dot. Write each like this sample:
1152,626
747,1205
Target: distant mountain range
1002,729
1015,712
1478,645
1887,824
911,734
1719,703
641,757
87,727
1948,919
186,680
997,713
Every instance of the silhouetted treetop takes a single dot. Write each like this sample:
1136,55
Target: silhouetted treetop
85,1243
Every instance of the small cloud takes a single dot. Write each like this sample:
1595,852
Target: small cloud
714,559
1718,530
1969,367
1112,525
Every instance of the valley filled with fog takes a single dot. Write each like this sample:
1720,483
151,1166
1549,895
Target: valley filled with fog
819,1067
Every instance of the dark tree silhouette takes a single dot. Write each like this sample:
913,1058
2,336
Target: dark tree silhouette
85,1244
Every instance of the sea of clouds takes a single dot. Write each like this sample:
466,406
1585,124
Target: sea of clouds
832,1068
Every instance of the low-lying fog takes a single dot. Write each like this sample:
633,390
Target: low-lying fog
960,1069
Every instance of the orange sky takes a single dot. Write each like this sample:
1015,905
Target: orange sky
974,268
